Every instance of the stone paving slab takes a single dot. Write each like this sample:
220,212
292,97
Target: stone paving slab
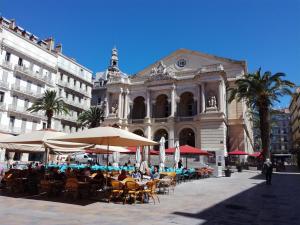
243,198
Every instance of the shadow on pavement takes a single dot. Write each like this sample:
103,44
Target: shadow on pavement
263,204
60,199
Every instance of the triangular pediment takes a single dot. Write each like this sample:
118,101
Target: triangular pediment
184,60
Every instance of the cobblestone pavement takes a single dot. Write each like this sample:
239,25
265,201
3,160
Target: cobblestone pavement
243,198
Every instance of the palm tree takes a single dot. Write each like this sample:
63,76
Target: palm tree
50,104
260,91
91,118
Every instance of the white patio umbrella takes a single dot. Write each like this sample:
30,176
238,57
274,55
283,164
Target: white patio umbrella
109,136
40,140
138,157
162,153
176,154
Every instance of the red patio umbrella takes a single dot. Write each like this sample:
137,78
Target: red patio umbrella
187,150
256,154
132,150
237,152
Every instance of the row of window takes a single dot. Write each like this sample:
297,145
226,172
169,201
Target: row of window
81,85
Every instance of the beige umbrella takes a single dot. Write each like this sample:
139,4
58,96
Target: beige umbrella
40,138
109,136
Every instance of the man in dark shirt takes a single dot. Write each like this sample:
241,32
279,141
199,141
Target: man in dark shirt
268,167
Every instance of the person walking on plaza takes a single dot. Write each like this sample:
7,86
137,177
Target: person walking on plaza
268,168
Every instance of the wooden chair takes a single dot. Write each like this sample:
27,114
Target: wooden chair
150,191
132,190
45,187
116,189
71,187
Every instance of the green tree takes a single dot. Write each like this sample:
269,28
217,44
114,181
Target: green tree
91,118
260,92
50,104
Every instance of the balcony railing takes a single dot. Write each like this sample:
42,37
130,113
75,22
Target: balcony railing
76,104
34,75
184,118
75,88
67,117
2,106
137,121
161,120
4,84
6,64
23,110
25,91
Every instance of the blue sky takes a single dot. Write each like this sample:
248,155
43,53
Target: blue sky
266,33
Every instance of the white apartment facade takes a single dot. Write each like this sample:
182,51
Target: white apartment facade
28,67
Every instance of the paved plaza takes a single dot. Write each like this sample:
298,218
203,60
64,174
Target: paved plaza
243,198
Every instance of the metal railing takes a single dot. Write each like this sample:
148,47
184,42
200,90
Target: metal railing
26,91
4,84
23,110
2,106
76,88
34,75
76,104
6,64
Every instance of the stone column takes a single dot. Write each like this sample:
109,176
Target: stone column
120,104
107,104
171,137
148,132
220,103
199,101
173,101
148,103
126,93
203,101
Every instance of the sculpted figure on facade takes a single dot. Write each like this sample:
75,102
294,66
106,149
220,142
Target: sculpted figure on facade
212,102
114,108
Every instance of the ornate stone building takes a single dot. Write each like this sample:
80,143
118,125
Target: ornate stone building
181,97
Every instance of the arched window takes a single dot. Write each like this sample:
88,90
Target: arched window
139,132
162,107
157,136
139,108
186,105
187,137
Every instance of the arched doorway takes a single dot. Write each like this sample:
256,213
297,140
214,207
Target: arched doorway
157,136
139,108
139,132
187,137
162,108
186,105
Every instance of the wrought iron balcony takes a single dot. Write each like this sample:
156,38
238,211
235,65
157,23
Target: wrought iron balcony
2,106
25,91
33,75
67,118
6,64
23,110
4,84
75,88
76,104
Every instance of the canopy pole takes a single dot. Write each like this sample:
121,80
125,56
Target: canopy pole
107,162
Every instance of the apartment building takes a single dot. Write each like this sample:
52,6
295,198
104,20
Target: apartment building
28,67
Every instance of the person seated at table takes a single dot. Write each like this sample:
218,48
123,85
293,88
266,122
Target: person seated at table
147,175
180,165
136,174
122,176
87,172
155,174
